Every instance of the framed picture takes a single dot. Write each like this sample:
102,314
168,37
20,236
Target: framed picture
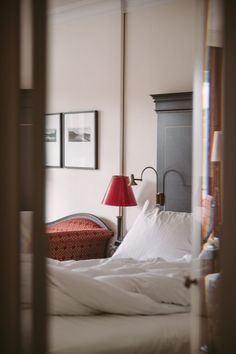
80,140
53,140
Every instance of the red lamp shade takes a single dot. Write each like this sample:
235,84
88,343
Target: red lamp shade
119,193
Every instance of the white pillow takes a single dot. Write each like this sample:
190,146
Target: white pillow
164,234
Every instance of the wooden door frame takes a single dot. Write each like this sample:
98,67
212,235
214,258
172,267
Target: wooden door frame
9,188
228,243
10,338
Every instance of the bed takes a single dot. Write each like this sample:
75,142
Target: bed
134,301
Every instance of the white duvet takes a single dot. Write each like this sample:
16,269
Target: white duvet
117,286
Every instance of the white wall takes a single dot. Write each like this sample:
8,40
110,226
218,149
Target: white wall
84,74
160,58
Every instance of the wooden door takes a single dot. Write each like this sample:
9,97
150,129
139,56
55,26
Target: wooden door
207,98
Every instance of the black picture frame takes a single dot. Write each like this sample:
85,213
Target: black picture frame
53,140
80,140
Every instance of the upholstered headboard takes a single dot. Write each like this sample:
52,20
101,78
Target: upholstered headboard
92,220
77,236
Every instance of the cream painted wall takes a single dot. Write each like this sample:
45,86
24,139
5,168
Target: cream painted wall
160,59
84,74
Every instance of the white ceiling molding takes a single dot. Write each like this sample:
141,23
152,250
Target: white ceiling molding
60,11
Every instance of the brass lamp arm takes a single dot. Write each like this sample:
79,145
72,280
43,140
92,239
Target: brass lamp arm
133,180
136,179
141,178
178,173
152,168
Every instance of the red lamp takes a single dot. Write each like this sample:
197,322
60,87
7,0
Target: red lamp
119,193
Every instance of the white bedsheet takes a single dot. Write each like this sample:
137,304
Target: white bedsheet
110,334
117,286
146,287
115,334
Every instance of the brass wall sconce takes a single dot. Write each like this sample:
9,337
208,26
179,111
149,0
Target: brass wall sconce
160,197
164,182
133,183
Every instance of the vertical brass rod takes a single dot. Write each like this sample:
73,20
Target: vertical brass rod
122,104
122,95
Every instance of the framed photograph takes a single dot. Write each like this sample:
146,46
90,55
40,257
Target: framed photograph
80,140
53,140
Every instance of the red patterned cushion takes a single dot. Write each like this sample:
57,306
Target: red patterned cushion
78,244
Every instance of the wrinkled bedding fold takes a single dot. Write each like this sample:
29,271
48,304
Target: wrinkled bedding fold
116,286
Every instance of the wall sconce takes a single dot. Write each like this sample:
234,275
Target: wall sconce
160,197
133,182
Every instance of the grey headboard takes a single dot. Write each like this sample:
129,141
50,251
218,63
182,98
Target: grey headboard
174,148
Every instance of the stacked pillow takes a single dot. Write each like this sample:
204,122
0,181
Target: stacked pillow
157,234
